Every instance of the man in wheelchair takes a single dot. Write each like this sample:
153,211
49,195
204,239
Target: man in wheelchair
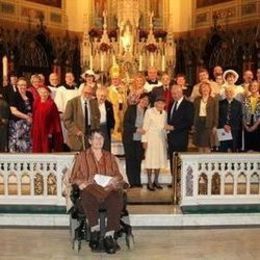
97,175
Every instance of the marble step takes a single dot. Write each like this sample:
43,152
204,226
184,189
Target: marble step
140,220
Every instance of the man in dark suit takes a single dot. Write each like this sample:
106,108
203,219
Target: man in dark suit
162,91
180,120
11,88
132,135
230,118
81,115
107,121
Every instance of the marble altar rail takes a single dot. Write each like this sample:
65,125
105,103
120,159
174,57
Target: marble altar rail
219,179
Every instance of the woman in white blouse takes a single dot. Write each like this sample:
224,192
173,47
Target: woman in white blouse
154,141
205,118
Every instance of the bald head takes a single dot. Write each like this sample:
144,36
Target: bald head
176,92
87,92
152,73
101,94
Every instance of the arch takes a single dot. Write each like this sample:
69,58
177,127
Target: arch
254,183
38,184
25,184
241,183
215,184
229,184
52,184
189,182
12,184
2,184
203,184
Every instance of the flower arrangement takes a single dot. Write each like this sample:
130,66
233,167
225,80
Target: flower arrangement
160,34
143,34
104,47
151,47
95,33
112,34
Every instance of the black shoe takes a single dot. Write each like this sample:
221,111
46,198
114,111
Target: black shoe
110,245
150,187
139,186
94,240
157,186
169,185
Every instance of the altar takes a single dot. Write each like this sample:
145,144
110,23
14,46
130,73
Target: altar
132,41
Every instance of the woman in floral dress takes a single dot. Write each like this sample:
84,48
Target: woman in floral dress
21,119
251,118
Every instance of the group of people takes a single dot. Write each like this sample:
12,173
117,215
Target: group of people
153,117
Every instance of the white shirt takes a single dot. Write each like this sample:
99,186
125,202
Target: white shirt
103,113
149,87
203,108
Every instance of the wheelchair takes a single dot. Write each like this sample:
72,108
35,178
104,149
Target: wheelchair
80,230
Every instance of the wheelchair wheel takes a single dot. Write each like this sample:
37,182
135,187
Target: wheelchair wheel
76,246
129,239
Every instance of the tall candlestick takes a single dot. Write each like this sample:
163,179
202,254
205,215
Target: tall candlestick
5,66
152,60
113,60
163,62
91,62
140,62
102,61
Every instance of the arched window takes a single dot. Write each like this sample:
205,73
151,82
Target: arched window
38,184
12,184
229,184
2,185
52,184
203,184
25,185
215,184
254,183
241,183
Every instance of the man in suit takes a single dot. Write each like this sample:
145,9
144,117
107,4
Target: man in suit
180,120
162,91
11,88
80,116
230,118
107,121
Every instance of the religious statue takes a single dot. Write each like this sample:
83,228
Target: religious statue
127,39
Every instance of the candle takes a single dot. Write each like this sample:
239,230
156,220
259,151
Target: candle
140,62
163,63
113,60
102,61
152,60
5,66
91,62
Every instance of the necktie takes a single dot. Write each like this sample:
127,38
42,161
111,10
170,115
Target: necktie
86,117
228,113
174,108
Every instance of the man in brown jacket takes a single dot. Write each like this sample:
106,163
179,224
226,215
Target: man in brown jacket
81,115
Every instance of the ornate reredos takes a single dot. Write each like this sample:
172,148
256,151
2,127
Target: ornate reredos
134,11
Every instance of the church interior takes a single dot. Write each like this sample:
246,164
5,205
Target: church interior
208,206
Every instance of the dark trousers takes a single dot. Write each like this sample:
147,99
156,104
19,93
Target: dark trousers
107,137
134,153
113,204
233,145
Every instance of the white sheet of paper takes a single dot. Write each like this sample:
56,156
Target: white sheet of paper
102,180
223,135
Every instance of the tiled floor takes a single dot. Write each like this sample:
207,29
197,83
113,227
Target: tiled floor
219,244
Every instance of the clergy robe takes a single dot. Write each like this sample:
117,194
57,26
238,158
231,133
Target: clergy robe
46,127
